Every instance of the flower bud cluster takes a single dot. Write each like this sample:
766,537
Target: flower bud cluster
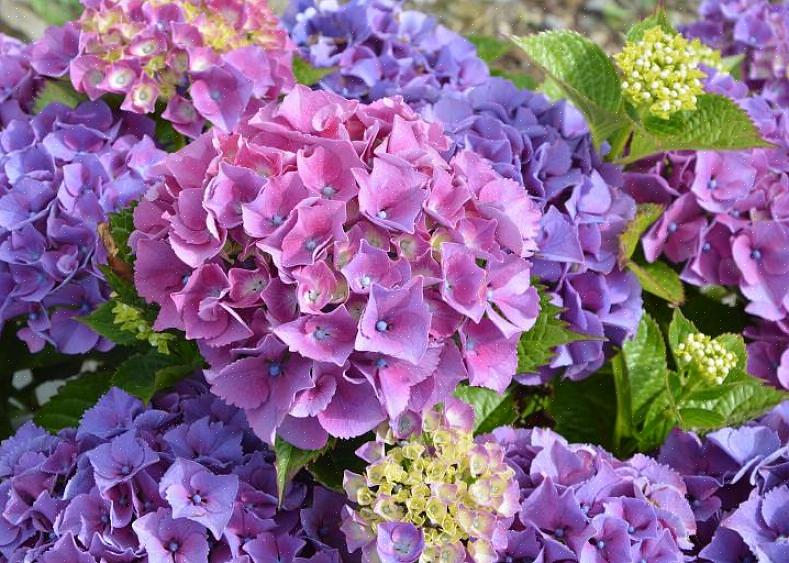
713,361
457,493
661,71
131,320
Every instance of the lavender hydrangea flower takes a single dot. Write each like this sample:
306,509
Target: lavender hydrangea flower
757,31
120,487
726,222
379,48
335,268
61,173
736,481
18,80
200,61
579,503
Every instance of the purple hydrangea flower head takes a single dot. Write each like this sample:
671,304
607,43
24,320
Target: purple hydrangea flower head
737,483
438,496
757,30
579,503
318,258
129,488
200,61
62,172
18,80
380,49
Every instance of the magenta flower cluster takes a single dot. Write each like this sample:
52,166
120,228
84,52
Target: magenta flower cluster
61,173
335,268
738,486
727,215
579,503
200,61
379,48
183,480
757,31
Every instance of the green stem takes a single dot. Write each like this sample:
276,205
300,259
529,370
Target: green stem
618,142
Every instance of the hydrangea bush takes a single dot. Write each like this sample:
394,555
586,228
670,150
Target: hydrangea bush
300,296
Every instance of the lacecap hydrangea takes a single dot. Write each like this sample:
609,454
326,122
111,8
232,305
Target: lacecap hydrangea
579,503
62,172
183,480
738,485
431,492
545,147
757,30
193,60
727,215
335,268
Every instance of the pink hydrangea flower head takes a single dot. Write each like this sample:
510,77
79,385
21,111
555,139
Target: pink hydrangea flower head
320,257
198,60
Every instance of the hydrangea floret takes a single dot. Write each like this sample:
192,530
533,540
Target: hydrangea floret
130,319
61,173
194,60
18,80
661,71
544,146
335,268
435,495
710,358
182,480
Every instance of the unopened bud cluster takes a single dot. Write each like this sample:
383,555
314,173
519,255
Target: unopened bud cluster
713,361
130,319
457,492
661,71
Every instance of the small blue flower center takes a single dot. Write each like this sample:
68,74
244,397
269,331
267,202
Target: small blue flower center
125,470
672,227
320,334
216,95
173,546
381,326
630,529
382,214
311,244
381,363
600,544
756,254
274,369
197,499
277,220
712,184
328,191
559,533
706,247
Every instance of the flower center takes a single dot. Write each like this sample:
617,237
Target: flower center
381,326
320,334
274,369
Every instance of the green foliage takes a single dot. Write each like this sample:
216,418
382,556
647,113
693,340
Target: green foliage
718,123
102,321
653,398
57,91
491,409
489,49
647,214
583,73
659,279
57,12
537,346
329,468
577,69
585,411
307,74
66,408
520,79
290,460
144,374
167,137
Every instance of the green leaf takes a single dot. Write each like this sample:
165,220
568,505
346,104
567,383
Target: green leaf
678,330
647,214
57,12
65,409
520,79
329,468
584,73
658,19
659,279
733,65
585,410
139,374
742,397
121,227
489,49
536,347
645,361
102,321
290,460
701,419
57,91
307,74
491,409
718,123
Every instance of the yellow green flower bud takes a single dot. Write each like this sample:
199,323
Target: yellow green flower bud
711,360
